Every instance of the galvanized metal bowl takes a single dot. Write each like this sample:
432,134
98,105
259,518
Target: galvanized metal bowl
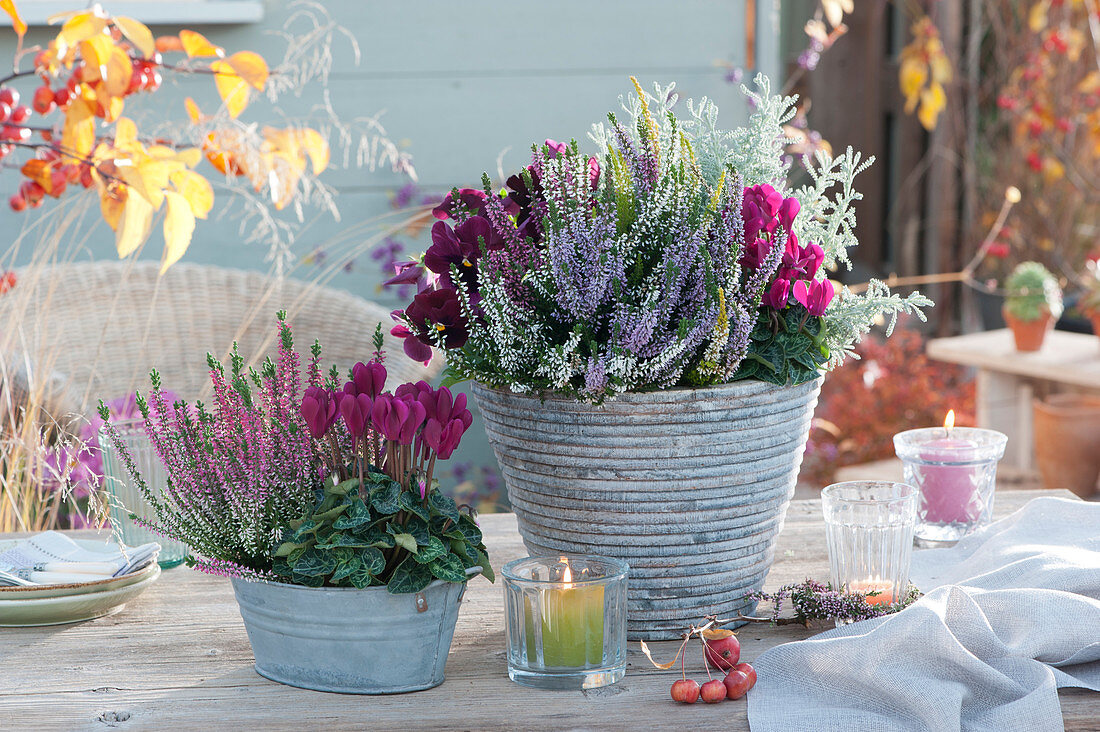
688,486
348,640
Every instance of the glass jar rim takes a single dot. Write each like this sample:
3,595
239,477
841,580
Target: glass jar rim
832,492
618,569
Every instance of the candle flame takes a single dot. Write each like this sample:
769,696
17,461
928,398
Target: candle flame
949,420
567,577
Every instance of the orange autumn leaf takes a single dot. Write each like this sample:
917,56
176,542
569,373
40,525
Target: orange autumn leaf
231,87
195,45
39,171
169,44
111,205
139,34
193,112
662,666
16,20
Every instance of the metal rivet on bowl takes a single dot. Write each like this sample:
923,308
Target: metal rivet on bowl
421,602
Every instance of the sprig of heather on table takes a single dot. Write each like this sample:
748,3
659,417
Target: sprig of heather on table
812,600
674,256
238,472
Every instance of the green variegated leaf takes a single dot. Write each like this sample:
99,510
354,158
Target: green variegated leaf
419,529
315,563
373,560
469,529
412,504
448,568
342,489
483,562
433,549
355,515
443,505
345,569
386,498
406,542
409,577
306,580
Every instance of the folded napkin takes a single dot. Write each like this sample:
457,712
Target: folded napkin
1011,614
54,558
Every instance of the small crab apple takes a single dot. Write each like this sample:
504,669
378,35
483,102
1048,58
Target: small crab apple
713,691
685,691
43,102
17,202
738,683
748,670
9,96
20,114
723,650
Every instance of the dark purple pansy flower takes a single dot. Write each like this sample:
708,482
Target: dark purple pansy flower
471,201
318,410
777,295
439,309
412,345
405,273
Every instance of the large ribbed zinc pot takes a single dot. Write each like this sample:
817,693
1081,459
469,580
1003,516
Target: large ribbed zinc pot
349,640
687,486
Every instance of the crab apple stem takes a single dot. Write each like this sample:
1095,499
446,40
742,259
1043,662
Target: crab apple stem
706,661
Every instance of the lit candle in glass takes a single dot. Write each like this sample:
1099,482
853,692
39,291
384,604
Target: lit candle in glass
566,621
948,489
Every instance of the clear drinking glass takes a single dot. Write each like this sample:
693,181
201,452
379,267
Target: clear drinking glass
869,532
565,621
955,471
125,498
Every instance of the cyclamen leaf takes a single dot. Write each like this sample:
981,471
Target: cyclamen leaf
361,578
373,560
386,498
315,563
486,568
306,580
409,577
356,515
331,513
346,569
469,529
341,489
443,505
431,551
406,542
448,568
412,504
419,529
338,539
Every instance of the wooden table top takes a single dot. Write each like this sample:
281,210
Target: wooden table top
178,658
1067,358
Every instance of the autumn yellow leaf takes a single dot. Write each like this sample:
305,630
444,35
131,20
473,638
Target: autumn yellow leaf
16,20
316,147
251,67
139,34
196,189
932,101
111,205
133,226
78,134
105,61
662,666
232,88
193,110
1053,170
912,76
79,27
169,44
179,226
194,44
1037,17
125,134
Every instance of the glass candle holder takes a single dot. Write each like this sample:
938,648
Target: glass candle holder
565,621
869,531
124,498
955,471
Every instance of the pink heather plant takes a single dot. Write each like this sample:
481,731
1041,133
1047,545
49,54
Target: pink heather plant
238,473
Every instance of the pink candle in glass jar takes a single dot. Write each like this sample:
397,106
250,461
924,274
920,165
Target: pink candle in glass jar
947,490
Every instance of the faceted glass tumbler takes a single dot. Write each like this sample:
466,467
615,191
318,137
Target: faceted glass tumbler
124,496
565,621
869,532
956,473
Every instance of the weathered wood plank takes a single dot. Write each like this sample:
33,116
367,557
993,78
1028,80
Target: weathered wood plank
178,657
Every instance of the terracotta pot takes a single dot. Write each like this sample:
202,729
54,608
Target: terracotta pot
1029,334
1067,442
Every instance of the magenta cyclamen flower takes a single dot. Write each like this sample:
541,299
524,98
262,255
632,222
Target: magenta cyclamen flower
754,254
443,439
815,296
776,296
367,378
319,410
801,262
397,419
356,411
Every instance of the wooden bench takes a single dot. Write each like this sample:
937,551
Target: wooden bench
1009,380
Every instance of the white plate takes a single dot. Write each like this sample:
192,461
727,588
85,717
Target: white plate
71,608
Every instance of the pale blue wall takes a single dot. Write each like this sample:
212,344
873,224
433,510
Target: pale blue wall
463,82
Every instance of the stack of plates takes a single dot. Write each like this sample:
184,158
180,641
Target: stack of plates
69,603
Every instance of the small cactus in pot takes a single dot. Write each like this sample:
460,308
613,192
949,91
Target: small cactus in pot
1033,302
